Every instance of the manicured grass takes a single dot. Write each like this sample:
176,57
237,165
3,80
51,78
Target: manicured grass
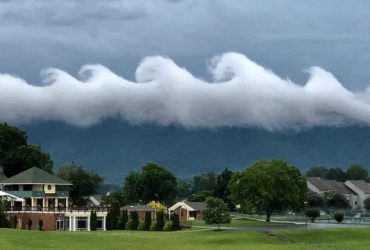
241,223
188,239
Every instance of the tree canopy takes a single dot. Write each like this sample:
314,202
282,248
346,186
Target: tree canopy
357,172
317,171
205,182
85,183
152,183
222,190
269,186
16,155
216,212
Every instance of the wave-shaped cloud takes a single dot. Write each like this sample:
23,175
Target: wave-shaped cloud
243,94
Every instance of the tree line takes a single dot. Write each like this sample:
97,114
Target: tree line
353,172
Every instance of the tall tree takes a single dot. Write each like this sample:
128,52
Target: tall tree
336,174
216,212
16,155
93,221
205,182
336,200
85,183
317,171
222,190
153,183
357,172
269,186
183,188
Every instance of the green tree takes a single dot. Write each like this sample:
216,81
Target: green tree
152,183
85,183
175,221
160,220
134,217
123,219
222,190
114,197
336,200
216,212
367,203
317,171
336,174
147,220
25,157
357,172
113,217
200,196
314,200
183,188
3,218
29,224
205,182
16,155
41,224
269,186
93,221
313,213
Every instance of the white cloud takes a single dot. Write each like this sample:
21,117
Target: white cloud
243,94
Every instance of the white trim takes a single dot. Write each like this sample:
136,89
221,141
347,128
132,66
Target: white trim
182,205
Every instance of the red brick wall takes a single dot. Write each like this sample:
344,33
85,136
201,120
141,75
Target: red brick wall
49,220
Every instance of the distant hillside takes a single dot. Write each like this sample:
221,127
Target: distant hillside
114,148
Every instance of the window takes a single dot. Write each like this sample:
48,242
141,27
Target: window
27,187
99,223
81,223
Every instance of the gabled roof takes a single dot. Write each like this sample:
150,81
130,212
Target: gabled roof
329,185
197,205
34,176
138,208
362,185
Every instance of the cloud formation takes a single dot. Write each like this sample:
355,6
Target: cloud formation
243,94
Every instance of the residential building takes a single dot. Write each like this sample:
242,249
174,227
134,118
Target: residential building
140,209
44,196
361,188
188,211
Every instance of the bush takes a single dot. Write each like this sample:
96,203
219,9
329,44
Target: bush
168,226
141,226
123,220
93,221
134,217
160,220
41,223
175,222
3,216
313,213
29,224
128,225
338,217
14,222
147,221
153,226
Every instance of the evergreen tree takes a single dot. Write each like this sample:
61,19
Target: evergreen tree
93,221
29,224
160,220
175,221
134,220
3,219
41,223
113,217
123,220
147,221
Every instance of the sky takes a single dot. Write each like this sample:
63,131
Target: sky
275,65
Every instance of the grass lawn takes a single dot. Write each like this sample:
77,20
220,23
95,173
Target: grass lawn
188,239
241,223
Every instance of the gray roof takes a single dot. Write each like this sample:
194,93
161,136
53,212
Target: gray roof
329,185
362,185
34,176
138,208
197,205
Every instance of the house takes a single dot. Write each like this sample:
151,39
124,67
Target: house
95,200
361,188
44,196
140,209
321,187
188,211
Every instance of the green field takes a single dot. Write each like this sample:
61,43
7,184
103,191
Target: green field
243,222
187,239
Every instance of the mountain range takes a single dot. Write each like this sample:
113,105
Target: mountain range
114,147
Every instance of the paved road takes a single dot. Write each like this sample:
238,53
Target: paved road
270,229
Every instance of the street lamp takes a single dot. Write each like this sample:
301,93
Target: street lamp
305,213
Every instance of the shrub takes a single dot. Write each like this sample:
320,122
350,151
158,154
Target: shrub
160,220
41,223
175,222
141,226
3,217
123,220
153,226
93,221
168,226
29,224
15,221
338,217
128,225
147,221
313,213
134,217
